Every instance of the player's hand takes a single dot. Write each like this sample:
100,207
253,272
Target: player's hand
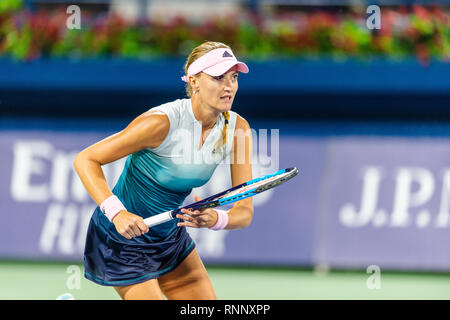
203,218
129,225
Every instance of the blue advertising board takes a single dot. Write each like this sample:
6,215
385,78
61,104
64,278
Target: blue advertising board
357,201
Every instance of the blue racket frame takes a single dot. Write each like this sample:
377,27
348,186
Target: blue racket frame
208,203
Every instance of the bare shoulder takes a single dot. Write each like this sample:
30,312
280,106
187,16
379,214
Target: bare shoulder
241,123
153,127
155,118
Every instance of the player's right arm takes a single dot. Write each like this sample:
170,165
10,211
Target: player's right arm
146,131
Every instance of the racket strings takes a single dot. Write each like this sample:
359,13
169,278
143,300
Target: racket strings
260,185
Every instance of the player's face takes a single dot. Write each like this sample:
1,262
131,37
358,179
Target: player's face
219,92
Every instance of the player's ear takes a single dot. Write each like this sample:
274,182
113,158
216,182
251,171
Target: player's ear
196,198
194,83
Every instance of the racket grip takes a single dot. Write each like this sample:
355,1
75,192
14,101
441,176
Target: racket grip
159,218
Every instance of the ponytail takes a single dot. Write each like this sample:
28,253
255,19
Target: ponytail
223,141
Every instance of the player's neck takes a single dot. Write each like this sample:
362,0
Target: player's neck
204,114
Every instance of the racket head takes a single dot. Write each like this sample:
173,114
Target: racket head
264,183
245,190
287,175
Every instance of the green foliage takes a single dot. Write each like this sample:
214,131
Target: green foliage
10,5
421,32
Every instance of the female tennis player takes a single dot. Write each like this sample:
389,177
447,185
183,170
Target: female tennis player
164,146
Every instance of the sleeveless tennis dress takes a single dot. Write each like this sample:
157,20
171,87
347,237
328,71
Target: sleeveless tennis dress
155,180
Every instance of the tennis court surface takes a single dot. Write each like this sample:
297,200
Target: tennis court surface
46,281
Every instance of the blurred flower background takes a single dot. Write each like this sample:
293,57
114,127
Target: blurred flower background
423,32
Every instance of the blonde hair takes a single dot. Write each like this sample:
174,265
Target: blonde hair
196,53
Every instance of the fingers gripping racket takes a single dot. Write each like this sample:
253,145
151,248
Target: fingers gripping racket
237,193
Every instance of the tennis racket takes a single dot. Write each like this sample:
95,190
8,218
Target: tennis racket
237,193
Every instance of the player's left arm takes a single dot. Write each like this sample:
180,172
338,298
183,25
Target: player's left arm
241,214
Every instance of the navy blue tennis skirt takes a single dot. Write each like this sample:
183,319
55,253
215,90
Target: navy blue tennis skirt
112,260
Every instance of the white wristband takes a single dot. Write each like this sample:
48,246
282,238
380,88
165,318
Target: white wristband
222,220
111,206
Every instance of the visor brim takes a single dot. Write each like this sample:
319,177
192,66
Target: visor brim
223,67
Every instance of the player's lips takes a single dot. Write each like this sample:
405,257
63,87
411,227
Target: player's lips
226,97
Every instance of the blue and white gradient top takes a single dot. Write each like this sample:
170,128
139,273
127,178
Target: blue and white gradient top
159,179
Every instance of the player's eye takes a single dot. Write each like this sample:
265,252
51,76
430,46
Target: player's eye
219,77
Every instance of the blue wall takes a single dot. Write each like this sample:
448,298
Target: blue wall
286,89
